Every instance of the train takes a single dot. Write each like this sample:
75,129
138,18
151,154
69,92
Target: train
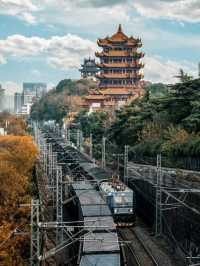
119,197
121,201
100,201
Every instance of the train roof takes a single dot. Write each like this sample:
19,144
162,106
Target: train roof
112,187
101,242
95,171
91,203
89,197
100,221
101,259
96,210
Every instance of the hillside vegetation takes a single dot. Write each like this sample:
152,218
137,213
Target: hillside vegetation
167,123
66,96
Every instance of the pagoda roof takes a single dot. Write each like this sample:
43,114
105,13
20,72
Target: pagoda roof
119,37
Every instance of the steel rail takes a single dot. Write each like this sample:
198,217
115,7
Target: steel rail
155,263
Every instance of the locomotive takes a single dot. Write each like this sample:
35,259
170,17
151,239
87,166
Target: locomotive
120,199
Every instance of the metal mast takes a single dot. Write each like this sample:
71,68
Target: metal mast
91,146
35,234
126,164
59,203
103,161
159,196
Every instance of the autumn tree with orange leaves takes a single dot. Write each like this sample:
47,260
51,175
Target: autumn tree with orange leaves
17,159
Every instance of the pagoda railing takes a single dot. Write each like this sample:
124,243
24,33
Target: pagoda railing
116,85
119,54
120,65
119,75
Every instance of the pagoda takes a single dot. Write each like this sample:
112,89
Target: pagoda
88,69
119,77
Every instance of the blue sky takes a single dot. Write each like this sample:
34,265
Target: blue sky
47,40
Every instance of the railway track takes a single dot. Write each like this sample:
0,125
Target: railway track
134,251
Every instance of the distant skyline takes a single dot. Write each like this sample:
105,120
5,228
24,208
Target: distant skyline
47,40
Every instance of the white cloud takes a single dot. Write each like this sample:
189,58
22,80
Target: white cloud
67,52
62,52
23,9
159,70
72,12
181,10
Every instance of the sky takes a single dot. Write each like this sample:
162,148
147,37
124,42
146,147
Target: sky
47,40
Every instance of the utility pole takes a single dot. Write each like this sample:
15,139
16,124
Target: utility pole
91,146
68,135
103,161
126,164
159,196
59,203
35,234
78,139
81,140
118,155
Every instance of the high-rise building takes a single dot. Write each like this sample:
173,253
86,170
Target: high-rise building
17,103
33,91
2,99
89,69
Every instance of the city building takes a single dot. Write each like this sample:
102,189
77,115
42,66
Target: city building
32,92
89,69
9,103
26,109
120,76
17,102
2,99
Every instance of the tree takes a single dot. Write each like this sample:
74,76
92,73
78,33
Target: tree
66,96
184,77
18,155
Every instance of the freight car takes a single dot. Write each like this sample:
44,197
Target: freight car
99,245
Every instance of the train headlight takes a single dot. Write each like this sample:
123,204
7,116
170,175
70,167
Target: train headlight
115,210
131,210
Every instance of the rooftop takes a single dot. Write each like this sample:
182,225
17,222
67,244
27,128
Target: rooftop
119,37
